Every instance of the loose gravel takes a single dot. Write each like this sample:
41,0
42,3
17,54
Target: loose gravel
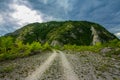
61,65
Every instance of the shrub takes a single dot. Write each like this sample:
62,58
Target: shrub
95,48
46,46
35,46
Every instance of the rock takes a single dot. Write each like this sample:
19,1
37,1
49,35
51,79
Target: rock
96,38
55,42
106,49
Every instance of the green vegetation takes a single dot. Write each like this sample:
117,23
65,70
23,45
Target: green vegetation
73,35
10,49
95,48
113,46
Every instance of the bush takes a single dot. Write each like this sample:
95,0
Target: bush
46,46
95,48
12,50
35,46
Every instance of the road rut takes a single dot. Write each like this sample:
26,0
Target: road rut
39,71
69,73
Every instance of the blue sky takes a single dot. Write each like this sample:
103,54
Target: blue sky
16,13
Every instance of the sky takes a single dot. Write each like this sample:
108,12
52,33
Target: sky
15,14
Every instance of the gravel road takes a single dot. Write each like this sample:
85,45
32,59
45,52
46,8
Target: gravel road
61,65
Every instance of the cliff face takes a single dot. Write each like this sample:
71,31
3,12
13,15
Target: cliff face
60,33
96,37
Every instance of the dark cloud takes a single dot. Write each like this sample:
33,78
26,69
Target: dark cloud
4,5
50,7
105,12
4,16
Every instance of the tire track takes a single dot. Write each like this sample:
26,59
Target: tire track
69,73
36,75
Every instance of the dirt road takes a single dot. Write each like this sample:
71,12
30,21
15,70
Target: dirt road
61,65
36,75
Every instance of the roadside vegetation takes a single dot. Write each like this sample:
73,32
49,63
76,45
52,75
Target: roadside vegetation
11,49
110,48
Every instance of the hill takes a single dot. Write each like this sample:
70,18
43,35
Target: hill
66,32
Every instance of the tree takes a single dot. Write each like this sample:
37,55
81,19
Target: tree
6,43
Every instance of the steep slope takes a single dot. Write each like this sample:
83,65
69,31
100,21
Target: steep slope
67,32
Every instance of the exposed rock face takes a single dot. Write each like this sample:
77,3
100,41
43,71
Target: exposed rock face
96,38
73,35
55,42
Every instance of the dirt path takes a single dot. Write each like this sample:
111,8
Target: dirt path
69,73
40,70
61,66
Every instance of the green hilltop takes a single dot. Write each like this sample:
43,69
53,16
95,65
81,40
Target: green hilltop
66,32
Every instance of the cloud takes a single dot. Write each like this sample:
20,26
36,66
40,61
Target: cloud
1,19
118,34
44,1
14,13
65,4
25,15
59,9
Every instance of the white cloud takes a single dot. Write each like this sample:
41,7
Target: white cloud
25,15
45,1
117,34
65,4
